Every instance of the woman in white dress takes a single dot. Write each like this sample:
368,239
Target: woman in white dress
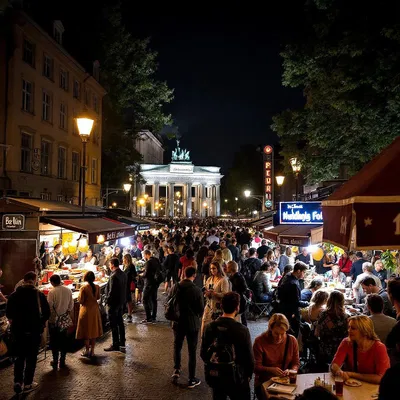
216,286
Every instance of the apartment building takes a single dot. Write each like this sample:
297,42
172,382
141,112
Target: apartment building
42,90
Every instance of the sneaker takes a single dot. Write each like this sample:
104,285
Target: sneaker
112,348
193,383
146,321
17,388
31,387
122,349
176,374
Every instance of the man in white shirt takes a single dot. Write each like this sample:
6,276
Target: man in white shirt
383,324
60,302
213,238
367,272
226,253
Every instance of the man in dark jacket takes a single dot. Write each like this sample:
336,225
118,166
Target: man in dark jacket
28,311
251,266
289,296
150,287
234,250
116,300
191,307
263,249
236,334
239,286
356,268
171,266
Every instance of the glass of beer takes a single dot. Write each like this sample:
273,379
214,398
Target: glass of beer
292,376
339,385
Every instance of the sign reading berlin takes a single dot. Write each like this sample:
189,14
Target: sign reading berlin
300,213
13,222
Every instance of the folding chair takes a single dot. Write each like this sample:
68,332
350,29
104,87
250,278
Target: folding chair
258,310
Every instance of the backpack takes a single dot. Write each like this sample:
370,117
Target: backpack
248,271
220,369
171,307
160,274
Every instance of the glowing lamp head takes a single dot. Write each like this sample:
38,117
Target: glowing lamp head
114,204
205,204
255,212
236,199
101,239
85,125
279,180
146,196
247,193
296,167
127,187
142,201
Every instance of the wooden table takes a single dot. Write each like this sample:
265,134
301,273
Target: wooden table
305,381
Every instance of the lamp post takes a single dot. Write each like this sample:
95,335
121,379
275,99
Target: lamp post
127,189
237,212
85,125
247,194
296,167
279,181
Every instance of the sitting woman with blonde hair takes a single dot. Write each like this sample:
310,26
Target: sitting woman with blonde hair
318,302
365,355
275,352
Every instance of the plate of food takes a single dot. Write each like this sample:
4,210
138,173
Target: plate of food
353,383
283,380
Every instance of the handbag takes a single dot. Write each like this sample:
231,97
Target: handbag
63,322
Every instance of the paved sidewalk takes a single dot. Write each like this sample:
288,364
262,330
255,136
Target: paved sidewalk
143,373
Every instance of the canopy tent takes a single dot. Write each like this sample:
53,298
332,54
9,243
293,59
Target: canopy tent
290,235
364,213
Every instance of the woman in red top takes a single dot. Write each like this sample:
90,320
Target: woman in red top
269,352
185,261
345,263
371,354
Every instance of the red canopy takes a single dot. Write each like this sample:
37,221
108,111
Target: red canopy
366,209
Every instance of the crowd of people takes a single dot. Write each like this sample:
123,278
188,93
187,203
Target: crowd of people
213,273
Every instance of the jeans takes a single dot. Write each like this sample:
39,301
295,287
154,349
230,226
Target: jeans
58,343
191,338
234,393
150,302
26,351
117,326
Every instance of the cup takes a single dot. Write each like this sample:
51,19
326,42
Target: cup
292,376
339,385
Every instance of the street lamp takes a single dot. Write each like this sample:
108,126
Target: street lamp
237,212
279,180
85,125
296,167
247,194
226,200
127,189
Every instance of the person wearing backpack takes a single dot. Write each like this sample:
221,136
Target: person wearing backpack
250,266
228,354
190,306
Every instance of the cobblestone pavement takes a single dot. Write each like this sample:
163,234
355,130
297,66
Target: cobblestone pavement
143,373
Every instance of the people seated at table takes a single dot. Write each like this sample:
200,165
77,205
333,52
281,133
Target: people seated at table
365,355
304,257
335,275
307,293
369,286
273,271
318,302
284,259
327,261
331,327
393,339
288,295
380,272
275,352
261,285
383,324
345,263
367,269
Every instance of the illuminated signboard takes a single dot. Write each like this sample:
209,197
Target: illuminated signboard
268,177
300,212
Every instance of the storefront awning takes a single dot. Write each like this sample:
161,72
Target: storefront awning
97,229
125,216
266,221
291,235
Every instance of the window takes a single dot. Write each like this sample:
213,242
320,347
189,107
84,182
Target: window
27,96
26,151
94,170
95,103
45,157
47,66
29,53
46,106
60,197
87,97
63,79
63,116
77,89
45,196
62,160
75,166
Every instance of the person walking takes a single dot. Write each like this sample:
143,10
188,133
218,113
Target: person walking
116,300
89,326
131,275
27,310
171,266
61,304
150,287
232,334
191,305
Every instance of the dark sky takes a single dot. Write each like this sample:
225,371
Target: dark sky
222,59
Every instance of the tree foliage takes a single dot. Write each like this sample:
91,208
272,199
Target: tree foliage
348,64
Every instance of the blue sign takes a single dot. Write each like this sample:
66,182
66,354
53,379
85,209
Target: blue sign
300,212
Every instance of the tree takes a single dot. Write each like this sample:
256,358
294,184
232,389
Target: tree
347,62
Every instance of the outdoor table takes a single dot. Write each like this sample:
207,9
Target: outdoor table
305,381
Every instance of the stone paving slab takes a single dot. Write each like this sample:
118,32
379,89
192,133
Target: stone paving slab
143,373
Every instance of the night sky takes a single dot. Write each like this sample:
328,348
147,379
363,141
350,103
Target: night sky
223,61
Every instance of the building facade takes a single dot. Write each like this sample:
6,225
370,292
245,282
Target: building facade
150,147
43,91
179,189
